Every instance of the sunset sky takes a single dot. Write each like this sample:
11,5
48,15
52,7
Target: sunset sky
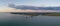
42,3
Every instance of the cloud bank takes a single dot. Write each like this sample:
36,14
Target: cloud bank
19,10
26,7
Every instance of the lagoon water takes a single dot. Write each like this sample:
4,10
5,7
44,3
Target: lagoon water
7,19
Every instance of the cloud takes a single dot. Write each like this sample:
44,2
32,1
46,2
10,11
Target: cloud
11,5
26,7
7,9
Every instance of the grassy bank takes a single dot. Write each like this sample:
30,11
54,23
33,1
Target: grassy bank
36,14
53,14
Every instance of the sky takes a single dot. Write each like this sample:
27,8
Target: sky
33,2
41,3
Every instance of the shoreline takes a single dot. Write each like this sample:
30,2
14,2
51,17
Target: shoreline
36,14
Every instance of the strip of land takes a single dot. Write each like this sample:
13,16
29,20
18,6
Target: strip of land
36,14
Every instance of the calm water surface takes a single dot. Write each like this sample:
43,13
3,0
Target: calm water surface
7,19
